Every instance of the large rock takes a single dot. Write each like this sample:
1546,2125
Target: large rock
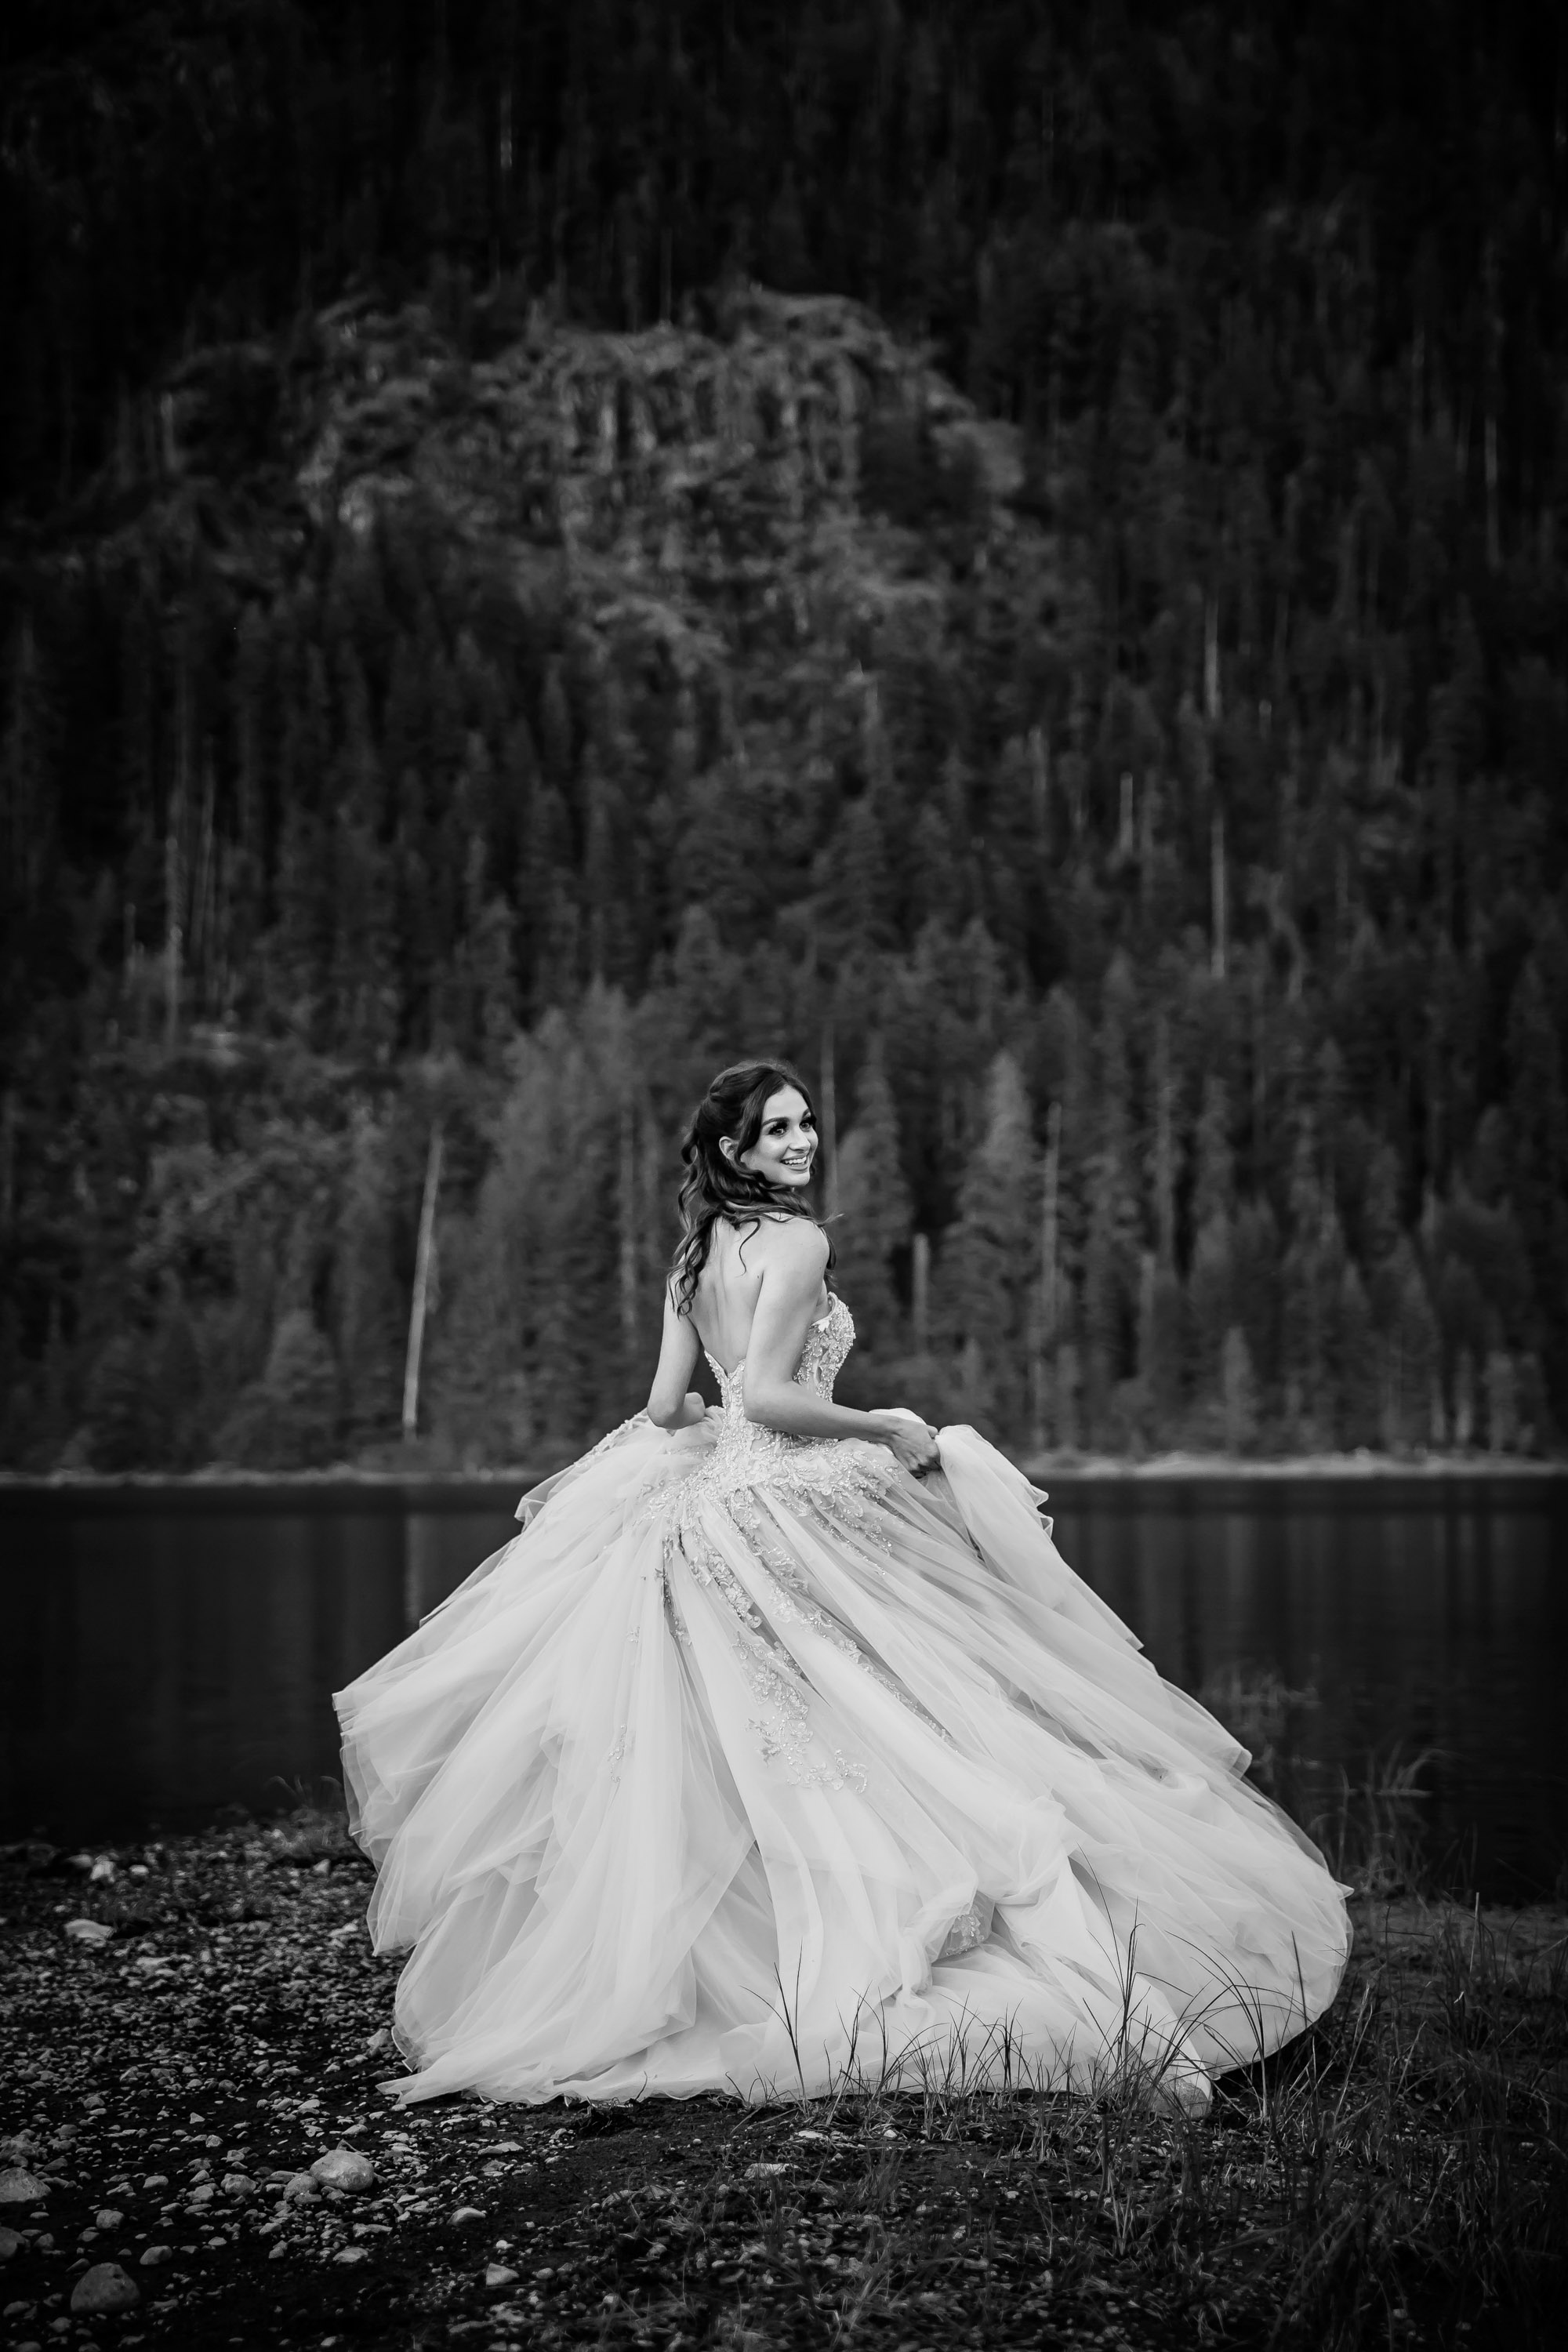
154,2255
345,2168
105,2287
11,2243
88,1931
20,2187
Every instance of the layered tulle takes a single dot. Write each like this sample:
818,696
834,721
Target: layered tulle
748,1765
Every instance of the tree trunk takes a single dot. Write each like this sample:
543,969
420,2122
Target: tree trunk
627,1206
829,1124
919,1286
1046,1316
423,1259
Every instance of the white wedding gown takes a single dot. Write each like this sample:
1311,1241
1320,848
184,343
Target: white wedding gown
753,1764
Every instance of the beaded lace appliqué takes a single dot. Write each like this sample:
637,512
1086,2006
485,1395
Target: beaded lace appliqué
831,1481
836,1483
837,1474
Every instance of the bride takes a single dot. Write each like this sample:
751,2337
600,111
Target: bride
781,1748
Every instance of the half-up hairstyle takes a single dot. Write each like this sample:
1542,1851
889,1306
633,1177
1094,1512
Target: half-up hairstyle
713,1186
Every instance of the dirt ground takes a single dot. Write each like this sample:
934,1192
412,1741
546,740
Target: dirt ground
166,2085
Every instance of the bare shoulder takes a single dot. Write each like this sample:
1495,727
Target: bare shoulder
793,1244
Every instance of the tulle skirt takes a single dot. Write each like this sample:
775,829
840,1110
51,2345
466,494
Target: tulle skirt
720,1780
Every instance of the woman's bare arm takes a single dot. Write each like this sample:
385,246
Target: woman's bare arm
671,1403
792,1284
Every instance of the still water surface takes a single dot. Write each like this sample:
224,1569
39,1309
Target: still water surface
167,1652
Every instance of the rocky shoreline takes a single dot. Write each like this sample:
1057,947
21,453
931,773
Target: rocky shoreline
196,2154
1098,1468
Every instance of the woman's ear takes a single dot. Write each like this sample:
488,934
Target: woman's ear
727,1146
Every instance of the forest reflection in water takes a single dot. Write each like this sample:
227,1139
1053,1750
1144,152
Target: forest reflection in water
169,1652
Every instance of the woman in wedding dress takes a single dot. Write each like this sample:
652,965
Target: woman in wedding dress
780,1747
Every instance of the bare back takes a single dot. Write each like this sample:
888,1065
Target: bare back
729,1286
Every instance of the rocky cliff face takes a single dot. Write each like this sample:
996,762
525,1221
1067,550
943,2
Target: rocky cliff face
795,497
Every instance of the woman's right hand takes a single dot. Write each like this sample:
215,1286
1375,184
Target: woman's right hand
911,1440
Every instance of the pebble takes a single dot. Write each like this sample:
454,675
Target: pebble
10,2243
765,2171
108,2217
498,2274
301,2189
105,2287
352,2254
465,2213
88,1931
345,2168
20,2187
156,2255
239,2184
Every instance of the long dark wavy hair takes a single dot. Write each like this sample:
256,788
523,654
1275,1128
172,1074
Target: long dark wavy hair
713,1186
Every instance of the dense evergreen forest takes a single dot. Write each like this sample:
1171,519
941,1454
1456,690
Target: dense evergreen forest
1014,552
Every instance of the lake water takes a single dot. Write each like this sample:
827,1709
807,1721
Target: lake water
168,1652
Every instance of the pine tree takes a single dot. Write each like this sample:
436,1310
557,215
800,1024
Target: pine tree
1255,1259
1382,1231
369,1304
1211,1304
127,1428
178,1381
299,948
361,988
1238,1391
302,1394
1357,1420
989,1260
1311,1291
1112,1246
874,1205
534,1286
1411,1356
1537,1176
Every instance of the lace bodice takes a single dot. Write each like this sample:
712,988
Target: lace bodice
827,1344
747,1449
745,1456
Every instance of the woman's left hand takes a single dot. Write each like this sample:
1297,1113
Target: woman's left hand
911,1440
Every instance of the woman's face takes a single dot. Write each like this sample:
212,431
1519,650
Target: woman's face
784,1150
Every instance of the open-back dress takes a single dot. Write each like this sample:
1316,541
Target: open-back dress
754,1764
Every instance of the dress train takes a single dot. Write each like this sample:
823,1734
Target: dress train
753,1764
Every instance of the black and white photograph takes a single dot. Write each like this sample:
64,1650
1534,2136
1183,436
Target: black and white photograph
784,1175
